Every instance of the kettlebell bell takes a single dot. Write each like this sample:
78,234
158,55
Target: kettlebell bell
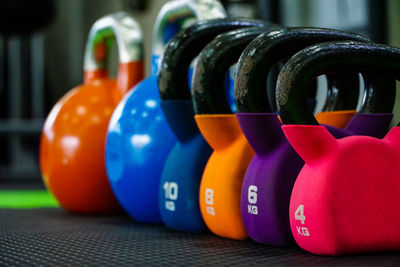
139,138
272,172
345,197
223,174
180,180
72,141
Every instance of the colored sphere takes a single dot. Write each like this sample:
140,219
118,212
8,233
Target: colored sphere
72,148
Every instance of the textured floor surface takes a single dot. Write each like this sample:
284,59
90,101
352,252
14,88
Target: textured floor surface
50,236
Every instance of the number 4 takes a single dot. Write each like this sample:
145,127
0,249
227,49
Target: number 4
299,214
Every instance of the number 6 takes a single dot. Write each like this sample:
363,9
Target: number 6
252,194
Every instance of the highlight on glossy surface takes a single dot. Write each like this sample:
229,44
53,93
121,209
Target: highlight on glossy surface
73,137
342,174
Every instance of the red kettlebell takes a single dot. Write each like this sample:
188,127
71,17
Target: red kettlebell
73,137
346,197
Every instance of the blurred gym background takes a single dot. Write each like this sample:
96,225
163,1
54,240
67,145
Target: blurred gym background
42,44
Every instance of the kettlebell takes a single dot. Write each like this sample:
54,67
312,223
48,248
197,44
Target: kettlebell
345,197
272,172
72,141
139,138
180,180
223,174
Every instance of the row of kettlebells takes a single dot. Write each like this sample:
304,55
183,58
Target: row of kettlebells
182,157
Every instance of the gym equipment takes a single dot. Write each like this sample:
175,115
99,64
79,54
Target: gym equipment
345,197
139,138
222,177
180,180
272,172
72,142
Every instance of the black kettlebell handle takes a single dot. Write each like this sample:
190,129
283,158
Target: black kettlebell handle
337,97
250,93
208,84
375,100
185,46
331,56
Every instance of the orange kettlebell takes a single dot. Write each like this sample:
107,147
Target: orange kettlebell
73,137
219,127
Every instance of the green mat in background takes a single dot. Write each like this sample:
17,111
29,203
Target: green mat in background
26,199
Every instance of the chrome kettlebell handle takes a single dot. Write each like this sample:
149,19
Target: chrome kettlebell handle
121,27
183,11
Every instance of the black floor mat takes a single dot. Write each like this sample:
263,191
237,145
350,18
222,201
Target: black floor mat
54,237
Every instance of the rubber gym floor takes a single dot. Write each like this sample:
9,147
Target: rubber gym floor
35,231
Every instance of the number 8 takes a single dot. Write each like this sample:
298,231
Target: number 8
209,196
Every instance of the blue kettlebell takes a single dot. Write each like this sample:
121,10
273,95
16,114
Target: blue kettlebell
180,180
139,138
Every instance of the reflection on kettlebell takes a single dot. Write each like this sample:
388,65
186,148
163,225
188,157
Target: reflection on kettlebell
72,142
139,138
223,175
345,197
273,170
179,187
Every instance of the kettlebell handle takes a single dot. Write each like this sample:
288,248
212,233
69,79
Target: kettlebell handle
182,11
273,47
185,46
208,84
330,56
128,35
